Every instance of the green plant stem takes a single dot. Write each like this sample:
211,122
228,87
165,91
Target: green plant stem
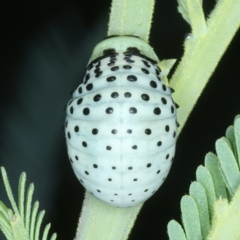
202,54
129,17
100,221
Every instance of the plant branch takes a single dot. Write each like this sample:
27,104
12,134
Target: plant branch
123,19
203,51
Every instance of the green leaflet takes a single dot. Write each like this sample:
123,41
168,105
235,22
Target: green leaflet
175,231
205,179
15,224
230,136
237,137
190,218
229,164
213,165
9,191
28,207
46,230
38,224
21,195
199,195
210,212
33,219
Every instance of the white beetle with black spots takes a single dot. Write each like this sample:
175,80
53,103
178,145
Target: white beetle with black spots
121,126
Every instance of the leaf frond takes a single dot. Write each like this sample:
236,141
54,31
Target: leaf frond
19,223
214,199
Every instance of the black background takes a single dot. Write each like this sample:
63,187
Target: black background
45,46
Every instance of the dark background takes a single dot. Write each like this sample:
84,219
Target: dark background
45,46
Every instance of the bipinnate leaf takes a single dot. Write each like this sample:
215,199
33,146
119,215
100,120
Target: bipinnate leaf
21,223
212,210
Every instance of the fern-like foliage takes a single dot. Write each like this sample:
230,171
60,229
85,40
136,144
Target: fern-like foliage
21,222
211,210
